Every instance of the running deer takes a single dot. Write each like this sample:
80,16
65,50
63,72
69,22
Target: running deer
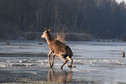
58,48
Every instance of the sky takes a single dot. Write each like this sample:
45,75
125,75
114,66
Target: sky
120,1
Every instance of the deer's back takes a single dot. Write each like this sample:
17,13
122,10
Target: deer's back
60,48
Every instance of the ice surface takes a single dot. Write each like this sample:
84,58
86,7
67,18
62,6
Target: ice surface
95,62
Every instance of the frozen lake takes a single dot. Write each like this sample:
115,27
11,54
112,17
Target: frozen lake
96,63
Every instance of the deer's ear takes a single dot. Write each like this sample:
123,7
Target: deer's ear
49,29
45,29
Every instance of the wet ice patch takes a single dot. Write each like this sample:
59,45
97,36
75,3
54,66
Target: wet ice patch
100,62
10,62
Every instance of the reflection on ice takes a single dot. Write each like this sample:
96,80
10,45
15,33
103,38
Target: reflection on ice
59,76
44,75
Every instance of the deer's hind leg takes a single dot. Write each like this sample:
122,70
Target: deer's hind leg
64,59
71,60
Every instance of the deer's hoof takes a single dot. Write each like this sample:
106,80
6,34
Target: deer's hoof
69,66
51,66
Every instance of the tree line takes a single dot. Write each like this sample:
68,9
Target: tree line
104,19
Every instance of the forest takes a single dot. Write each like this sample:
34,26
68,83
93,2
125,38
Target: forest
105,19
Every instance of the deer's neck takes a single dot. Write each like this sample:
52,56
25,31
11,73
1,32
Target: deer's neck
48,39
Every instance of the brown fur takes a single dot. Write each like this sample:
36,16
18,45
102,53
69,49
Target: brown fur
58,48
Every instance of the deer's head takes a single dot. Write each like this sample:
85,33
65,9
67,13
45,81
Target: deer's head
45,33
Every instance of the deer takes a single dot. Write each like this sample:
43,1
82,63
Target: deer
57,48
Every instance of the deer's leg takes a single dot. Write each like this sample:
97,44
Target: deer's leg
53,56
49,58
64,59
71,60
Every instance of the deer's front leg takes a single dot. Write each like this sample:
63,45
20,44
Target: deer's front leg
53,56
49,58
